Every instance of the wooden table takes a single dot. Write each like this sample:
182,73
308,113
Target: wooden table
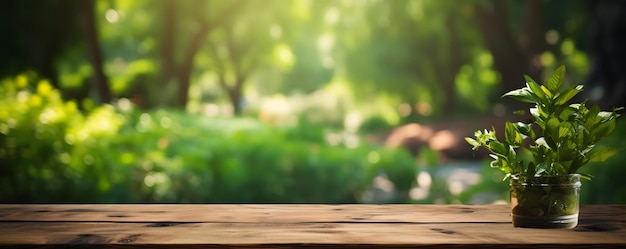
285,226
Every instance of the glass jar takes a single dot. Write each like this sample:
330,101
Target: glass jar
545,201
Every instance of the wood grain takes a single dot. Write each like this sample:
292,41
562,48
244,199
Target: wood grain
256,213
286,226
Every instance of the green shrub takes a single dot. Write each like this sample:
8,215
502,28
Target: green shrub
52,152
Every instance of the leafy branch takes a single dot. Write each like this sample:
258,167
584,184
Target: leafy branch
561,137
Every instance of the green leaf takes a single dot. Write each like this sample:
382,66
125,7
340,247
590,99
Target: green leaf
542,141
603,129
586,176
543,113
547,92
526,130
568,152
519,112
607,116
552,127
556,79
498,148
511,134
535,113
540,169
529,79
551,143
568,94
512,154
532,168
592,116
536,89
565,129
473,142
495,164
568,114
600,154
523,94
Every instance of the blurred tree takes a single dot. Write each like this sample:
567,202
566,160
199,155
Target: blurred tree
36,34
153,62
522,35
607,77
311,38
43,32
94,51
204,26
513,52
441,53
253,40
412,49
235,37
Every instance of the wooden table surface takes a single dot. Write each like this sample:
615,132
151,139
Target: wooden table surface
286,226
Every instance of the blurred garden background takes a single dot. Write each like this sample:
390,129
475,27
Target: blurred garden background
286,101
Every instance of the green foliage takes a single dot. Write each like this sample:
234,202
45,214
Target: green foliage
38,134
374,125
51,152
611,189
567,134
491,184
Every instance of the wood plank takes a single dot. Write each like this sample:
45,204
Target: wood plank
284,226
73,233
401,213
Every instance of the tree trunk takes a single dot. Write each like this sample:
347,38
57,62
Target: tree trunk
533,29
233,91
510,60
533,41
184,74
454,64
606,82
168,63
236,96
57,41
186,68
87,9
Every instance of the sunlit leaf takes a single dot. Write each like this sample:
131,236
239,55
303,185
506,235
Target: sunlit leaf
536,90
542,141
473,142
529,79
524,95
601,154
603,129
568,94
565,128
556,79
511,133
586,176
498,148
592,116
535,112
526,129
547,92
540,169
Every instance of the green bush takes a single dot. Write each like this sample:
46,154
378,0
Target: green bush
52,152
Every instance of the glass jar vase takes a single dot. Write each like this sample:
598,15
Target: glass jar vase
545,201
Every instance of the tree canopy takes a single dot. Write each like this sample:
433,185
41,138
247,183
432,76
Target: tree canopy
436,57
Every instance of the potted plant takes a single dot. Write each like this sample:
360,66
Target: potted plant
542,156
